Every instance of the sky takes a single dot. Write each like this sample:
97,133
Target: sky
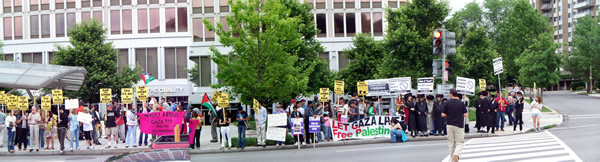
459,4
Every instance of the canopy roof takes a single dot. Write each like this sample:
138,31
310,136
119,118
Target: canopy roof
37,76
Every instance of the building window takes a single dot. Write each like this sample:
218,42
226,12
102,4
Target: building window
34,5
70,21
338,4
97,3
154,20
85,3
18,26
51,57
45,26
7,57
70,3
34,26
365,22
115,22
224,7
97,15
170,19
203,63
147,58
8,28
350,24
201,31
86,16
127,21
320,4
325,57
209,6
60,25
142,21
342,60
175,63
223,22
7,6
393,3
349,4
338,24
376,3
182,23
18,5
209,35
377,24
196,6
123,59
322,25
31,58
569,15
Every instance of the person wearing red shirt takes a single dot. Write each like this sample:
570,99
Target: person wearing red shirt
121,125
501,111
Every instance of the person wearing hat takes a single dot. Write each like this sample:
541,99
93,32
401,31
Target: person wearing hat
438,120
280,111
430,128
481,107
421,109
412,114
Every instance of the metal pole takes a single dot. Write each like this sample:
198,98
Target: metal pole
444,54
499,85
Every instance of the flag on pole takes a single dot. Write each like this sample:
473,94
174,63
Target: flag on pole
206,103
147,78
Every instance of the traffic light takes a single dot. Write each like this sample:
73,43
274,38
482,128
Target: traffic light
450,43
437,42
447,67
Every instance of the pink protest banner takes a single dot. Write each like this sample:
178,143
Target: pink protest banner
160,123
193,124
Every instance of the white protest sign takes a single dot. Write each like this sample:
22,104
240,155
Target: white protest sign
276,134
498,68
71,104
379,87
465,85
276,120
425,85
400,85
444,89
84,118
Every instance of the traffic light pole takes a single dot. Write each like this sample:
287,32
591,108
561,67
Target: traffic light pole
444,56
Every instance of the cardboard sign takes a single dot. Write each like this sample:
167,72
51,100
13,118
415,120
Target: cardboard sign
160,123
215,97
400,85
224,100
276,120
142,93
498,68
324,94
12,102
465,85
363,88
276,134
105,95
425,85
57,96
379,87
46,103
71,104
366,128
482,84
297,126
23,103
256,106
127,95
314,125
339,87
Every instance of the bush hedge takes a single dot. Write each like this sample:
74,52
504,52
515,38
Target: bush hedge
251,141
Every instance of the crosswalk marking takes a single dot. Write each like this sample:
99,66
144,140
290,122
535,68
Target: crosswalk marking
542,146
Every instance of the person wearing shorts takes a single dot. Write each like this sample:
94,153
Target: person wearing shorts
536,108
111,125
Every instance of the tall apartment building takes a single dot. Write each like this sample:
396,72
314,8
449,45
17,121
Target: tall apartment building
166,36
563,15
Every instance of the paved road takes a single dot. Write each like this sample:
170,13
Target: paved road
90,158
581,130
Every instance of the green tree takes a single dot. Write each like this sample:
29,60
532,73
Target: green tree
366,55
478,51
408,39
194,75
540,63
471,14
261,36
586,52
89,49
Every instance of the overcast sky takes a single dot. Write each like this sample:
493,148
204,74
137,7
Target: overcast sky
458,4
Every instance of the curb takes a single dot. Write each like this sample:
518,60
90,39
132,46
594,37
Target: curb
80,152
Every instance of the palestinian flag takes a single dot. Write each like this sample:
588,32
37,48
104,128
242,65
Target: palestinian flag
206,103
146,78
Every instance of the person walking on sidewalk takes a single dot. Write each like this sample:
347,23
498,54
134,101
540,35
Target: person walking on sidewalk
455,112
63,124
34,129
242,118
111,126
225,133
501,110
536,109
261,119
9,122
74,129
519,113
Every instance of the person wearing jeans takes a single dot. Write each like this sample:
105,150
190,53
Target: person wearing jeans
242,118
10,128
131,128
501,109
74,129
34,129
397,132
510,108
2,127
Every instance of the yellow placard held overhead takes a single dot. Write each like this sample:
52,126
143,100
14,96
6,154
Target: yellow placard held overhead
256,106
534,89
482,85
142,93
339,87
23,103
57,96
46,102
324,94
363,88
12,102
224,100
127,95
2,97
215,96
105,95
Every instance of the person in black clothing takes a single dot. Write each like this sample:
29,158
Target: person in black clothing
308,112
421,112
482,105
22,130
296,114
518,113
412,114
95,121
110,124
438,121
492,117
455,112
63,124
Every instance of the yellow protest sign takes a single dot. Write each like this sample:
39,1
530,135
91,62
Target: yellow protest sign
142,93
339,87
363,88
57,96
105,95
23,103
224,100
46,102
324,94
127,95
256,106
534,89
215,97
482,85
2,97
12,102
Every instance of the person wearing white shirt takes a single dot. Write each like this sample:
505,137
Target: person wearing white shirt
261,118
131,128
536,109
10,123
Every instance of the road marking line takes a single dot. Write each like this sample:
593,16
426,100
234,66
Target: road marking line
501,152
589,125
577,159
584,115
516,156
378,148
591,117
510,140
506,143
495,147
560,158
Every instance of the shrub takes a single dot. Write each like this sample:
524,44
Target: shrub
252,141
578,85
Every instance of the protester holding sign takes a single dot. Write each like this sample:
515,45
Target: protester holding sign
86,119
110,124
131,128
74,129
34,129
280,111
297,115
22,127
225,133
261,118
197,116
10,122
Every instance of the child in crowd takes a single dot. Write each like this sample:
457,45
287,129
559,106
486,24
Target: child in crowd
50,130
327,127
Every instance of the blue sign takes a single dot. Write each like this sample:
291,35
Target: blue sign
314,125
297,126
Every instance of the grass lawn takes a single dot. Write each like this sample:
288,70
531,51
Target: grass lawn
544,109
472,115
